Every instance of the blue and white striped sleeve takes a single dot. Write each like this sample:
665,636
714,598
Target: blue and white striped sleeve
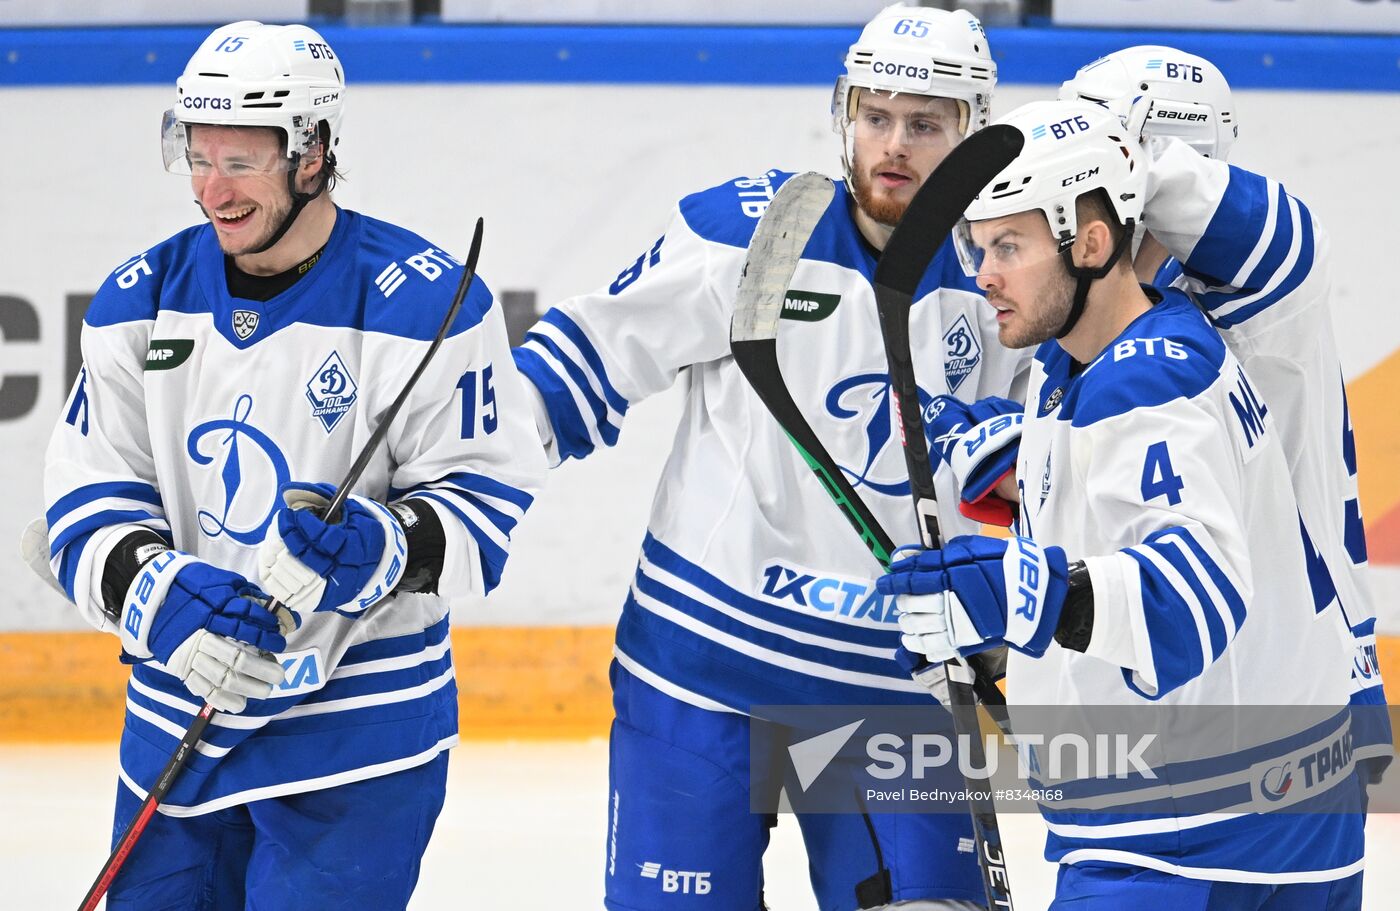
592,356
1168,605
99,473
1246,245
467,448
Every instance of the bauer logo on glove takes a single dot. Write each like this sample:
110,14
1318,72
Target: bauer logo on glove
346,567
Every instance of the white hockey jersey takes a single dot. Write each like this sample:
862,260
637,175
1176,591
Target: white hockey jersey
193,407
751,588
1159,464
1255,260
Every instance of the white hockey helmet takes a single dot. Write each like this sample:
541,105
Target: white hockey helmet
251,74
919,51
1071,148
1191,97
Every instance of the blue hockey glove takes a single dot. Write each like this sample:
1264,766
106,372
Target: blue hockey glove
207,626
308,564
979,442
977,593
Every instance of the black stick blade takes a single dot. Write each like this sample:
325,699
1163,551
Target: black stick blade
935,209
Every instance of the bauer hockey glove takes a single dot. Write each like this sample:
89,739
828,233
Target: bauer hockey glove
977,593
979,442
207,626
308,564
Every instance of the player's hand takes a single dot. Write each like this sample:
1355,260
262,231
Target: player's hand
346,567
977,593
208,626
980,442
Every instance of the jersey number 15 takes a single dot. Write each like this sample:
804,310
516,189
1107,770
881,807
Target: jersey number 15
476,403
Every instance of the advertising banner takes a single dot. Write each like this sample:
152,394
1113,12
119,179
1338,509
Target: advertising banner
1377,16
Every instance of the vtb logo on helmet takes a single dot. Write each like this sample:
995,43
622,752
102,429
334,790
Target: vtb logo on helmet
919,51
248,74
1190,97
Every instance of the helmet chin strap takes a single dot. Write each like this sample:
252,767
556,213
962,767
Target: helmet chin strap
1085,276
299,200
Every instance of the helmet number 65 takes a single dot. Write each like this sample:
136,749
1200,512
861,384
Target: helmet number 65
916,27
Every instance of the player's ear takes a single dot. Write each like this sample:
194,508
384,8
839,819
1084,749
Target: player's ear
1094,245
309,169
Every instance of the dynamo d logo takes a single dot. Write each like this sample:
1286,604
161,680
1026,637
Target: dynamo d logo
331,391
867,397
247,458
962,353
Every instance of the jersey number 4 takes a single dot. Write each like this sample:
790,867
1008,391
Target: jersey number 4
1158,479
477,405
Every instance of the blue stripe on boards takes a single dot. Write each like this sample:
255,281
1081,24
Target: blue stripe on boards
686,55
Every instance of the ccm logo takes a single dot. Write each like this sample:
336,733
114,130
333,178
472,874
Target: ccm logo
1076,178
325,99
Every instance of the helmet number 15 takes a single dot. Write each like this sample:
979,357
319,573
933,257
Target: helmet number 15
230,44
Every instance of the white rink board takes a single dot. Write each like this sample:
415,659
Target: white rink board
574,182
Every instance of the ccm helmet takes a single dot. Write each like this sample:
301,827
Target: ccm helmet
1191,98
1071,148
248,74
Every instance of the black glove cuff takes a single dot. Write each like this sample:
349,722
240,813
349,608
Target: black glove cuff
124,563
1077,616
427,545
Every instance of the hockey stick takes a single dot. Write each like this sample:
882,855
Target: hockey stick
927,223
774,252
172,769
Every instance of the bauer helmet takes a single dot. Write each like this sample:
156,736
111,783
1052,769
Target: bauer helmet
249,74
1071,148
918,51
1190,96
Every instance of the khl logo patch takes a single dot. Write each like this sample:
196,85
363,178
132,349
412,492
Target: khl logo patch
331,391
962,353
245,323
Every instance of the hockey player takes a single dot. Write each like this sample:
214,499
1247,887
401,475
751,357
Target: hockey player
230,377
1160,563
751,589
1256,261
